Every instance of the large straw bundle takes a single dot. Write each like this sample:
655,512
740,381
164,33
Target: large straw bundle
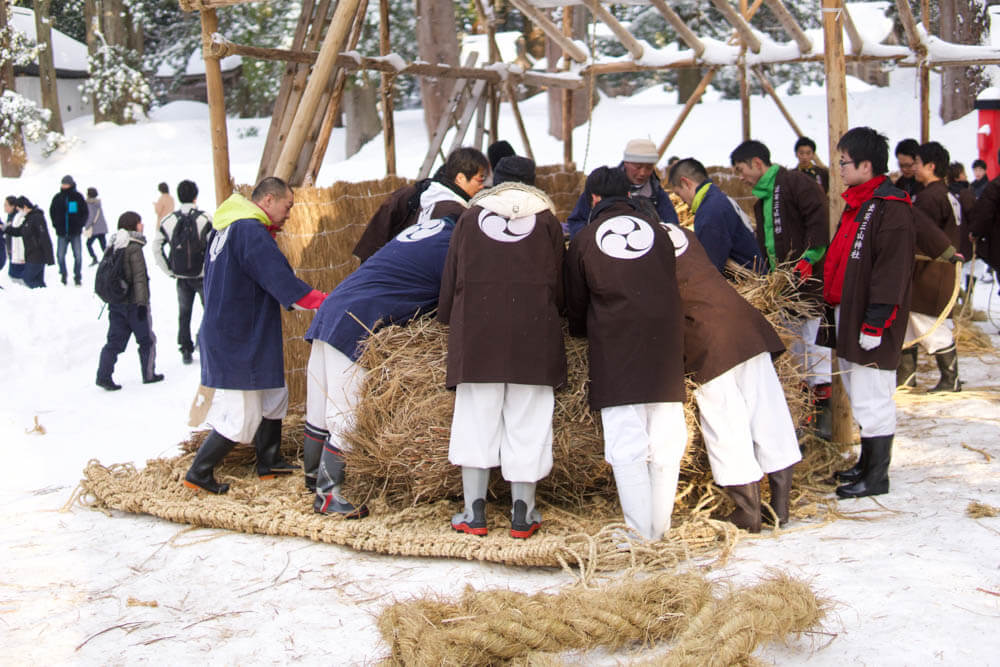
399,444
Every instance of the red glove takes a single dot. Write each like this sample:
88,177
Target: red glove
311,301
804,270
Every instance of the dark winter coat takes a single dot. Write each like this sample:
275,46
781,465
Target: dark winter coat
978,186
247,282
910,185
396,213
819,174
580,216
721,329
934,281
400,281
722,233
877,271
966,202
984,224
621,292
801,221
35,235
502,292
68,212
135,268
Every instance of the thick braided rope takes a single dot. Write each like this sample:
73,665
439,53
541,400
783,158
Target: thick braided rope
943,315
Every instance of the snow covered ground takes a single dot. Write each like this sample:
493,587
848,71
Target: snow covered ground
917,584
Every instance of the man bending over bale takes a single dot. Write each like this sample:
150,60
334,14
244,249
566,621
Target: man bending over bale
621,292
501,294
247,282
745,423
397,283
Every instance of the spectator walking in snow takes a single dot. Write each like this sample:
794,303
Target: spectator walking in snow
97,226
164,204
9,210
131,318
36,245
179,249
14,243
247,283
68,211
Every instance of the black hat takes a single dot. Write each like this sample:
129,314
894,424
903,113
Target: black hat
607,182
514,168
68,180
497,151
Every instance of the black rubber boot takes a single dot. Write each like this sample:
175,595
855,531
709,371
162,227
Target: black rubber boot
329,479
267,442
947,363
875,479
906,372
312,450
525,518
472,520
855,472
747,512
824,412
780,482
210,454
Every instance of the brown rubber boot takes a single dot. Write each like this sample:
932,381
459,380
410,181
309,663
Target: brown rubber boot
781,487
747,512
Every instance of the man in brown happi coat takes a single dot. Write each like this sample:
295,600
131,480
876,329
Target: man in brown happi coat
933,281
621,292
792,227
869,265
728,350
501,295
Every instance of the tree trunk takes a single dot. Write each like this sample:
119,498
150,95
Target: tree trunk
962,22
112,25
360,116
581,102
11,157
437,42
688,79
46,66
92,17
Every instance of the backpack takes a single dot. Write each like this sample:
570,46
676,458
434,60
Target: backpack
110,283
187,246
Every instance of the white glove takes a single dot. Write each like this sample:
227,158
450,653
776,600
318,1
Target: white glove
868,342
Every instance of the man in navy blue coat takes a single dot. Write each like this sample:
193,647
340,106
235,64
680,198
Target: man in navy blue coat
399,282
639,166
719,223
247,283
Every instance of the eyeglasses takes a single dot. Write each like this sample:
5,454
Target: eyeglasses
844,163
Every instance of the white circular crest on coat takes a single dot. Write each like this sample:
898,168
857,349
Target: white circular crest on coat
505,230
677,237
425,227
625,237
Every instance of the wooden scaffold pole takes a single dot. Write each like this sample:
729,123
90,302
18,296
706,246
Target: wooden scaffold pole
216,108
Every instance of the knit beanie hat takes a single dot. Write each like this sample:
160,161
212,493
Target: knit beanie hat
68,180
497,151
607,182
514,168
642,151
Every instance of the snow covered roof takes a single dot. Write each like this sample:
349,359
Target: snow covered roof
68,55
196,65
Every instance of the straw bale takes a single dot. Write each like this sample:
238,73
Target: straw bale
978,510
500,626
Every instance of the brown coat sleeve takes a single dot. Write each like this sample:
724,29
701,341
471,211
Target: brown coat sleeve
814,211
390,219
983,218
576,290
135,274
931,240
446,297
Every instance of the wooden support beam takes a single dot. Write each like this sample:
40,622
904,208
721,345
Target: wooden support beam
630,43
493,93
790,25
680,27
567,95
688,106
744,100
551,30
769,89
471,105
216,110
923,74
857,43
453,109
325,64
512,97
477,135
910,28
836,111
198,5
385,90
739,23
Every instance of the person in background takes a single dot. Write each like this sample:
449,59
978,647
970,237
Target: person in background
164,204
639,166
497,151
97,226
247,283
188,268
37,245
9,211
68,211
133,317
980,178
14,243
805,151
962,202
906,158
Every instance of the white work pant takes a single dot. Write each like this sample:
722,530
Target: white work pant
745,423
870,391
506,425
813,359
644,443
236,414
939,339
333,388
